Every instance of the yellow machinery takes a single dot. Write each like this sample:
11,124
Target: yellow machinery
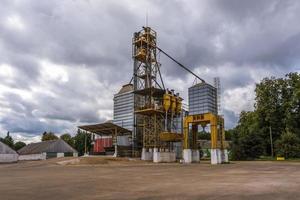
178,105
172,108
217,133
167,101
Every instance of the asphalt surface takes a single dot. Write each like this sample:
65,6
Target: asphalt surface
47,180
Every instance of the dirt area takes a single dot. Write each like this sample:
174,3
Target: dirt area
103,178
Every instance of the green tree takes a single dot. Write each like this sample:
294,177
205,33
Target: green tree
288,145
80,139
247,142
202,135
49,136
277,108
292,103
68,139
229,133
269,109
8,140
19,145
235,147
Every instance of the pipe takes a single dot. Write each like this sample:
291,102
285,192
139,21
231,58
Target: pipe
181,65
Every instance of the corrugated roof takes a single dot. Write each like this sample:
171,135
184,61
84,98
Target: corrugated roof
58,146
105,128
4,149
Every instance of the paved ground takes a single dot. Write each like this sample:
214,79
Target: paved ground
137,180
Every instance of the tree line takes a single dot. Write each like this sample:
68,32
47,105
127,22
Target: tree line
273,128
78,142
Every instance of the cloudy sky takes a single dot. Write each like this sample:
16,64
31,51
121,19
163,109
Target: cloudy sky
61,61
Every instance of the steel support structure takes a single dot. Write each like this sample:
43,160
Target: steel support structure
217,133
148,90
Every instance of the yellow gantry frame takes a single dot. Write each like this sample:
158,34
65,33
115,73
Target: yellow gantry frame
216,127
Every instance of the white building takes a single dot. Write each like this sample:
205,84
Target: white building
7,155
47,149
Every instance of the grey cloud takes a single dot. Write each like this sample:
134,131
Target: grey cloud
91,41
231,119
20,124
286,53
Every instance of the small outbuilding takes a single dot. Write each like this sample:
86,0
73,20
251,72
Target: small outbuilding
47,149
117,136
7,154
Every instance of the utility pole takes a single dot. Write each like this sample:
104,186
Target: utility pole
271,139
85,144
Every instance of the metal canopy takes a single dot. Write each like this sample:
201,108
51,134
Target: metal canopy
106,128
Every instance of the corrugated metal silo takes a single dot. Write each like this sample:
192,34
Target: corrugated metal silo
202,99
124,107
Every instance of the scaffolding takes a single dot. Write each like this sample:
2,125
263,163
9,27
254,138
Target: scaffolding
148,89
155,108
217,85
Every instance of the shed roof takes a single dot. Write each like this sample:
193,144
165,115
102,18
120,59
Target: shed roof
106,128
57,146
4,149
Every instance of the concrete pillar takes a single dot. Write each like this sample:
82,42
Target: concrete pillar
219,154
225,156
116,151
214,156
147,154
156,155
195,155
143,154
187,155
163,156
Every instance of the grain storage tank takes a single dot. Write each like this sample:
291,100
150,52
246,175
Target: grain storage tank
202,99
124,107
123,112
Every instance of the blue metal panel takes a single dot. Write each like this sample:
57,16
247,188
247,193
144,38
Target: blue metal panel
123,110
202,99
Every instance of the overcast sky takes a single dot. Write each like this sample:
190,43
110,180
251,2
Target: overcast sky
61,61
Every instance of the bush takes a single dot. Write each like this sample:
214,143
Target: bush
49,136
19,145
79,142
246,147
288,145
